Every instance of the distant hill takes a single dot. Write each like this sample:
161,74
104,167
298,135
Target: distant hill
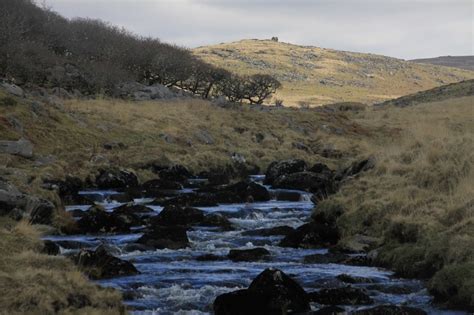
316,76
461,62
454,90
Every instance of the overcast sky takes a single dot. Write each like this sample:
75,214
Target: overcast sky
399,28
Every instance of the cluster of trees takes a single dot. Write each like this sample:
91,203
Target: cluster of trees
38,46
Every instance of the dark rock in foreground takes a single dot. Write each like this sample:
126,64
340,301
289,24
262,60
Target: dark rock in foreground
271,292
99,264
311,235
390,310
320,184
341,296
217,220
175,215
160,237
254,254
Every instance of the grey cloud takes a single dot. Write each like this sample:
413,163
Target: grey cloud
400,28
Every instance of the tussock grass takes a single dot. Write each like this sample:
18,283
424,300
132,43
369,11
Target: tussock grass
34,283
420,197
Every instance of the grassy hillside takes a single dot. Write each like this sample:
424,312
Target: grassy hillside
461,62
417,201
318,76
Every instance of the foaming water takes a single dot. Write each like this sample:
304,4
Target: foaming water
176,282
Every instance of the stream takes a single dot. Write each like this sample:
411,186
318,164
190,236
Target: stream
175,282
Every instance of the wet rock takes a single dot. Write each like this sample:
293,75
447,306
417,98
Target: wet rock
176,173
77,213
22,147
189,200
50,248
244,191
390,310
136,247
393,289
254,254
271,292
285,167
278,230
68,244
99,264
319,184
160,237
175,215
116,178
217,220
352,279
311,235
341,296
280,290
97,220
288,196
210,257
128,216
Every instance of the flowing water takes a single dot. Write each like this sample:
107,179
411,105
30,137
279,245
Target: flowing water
174,282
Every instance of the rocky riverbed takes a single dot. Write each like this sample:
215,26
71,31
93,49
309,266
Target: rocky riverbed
185,245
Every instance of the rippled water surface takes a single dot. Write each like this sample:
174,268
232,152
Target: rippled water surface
174,282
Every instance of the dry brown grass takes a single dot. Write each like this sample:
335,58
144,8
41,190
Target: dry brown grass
420,196
323,76
34,283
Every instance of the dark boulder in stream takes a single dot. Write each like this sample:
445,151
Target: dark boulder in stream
271,292
254,254
311,235
285,167
341,296
156,186
319,184
243,191
97,220
99,264
160,237
177,173
189,200
217,220
115,178
175,215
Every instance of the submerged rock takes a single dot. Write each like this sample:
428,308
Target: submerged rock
341,296
329,258
99,264
271,292
160,237
254,254
311,235
390,310
278,230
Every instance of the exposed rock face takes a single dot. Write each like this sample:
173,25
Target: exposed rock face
286,167
311,235
12,89
254,254
341,296
22,147
271,292
390,310
97,220
116,178
175,215
160,237
99,264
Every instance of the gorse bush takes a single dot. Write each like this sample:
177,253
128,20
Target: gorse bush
38,46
